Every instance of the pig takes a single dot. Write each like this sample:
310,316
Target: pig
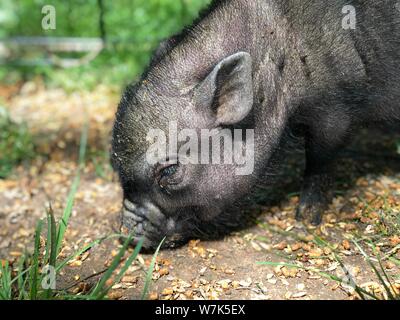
322,69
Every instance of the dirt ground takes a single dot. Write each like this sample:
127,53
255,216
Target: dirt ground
366,207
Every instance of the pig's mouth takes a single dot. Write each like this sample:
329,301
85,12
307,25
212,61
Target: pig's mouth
147,222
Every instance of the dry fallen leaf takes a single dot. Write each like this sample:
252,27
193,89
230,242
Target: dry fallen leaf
299,294
225,283
129,279
280,246
75,263
153,296
84,256
163,272
246,283
256,246
301,286
346,244
109,282
394,241
203,270
265,246
167,291
114,295
288,295
229,271
296,246
315,253
15,253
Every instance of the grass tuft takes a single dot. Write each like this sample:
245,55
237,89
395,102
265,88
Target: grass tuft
29,279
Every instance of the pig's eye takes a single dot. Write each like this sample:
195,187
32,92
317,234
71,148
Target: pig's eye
168,175
169,171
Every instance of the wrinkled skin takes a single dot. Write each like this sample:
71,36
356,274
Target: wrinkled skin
263,65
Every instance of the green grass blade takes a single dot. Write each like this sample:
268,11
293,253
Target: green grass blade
123,270
71,196
48,238
5,283
20,277
353,284
360,291
114,265
51,245
383,269
150,272
52,238
35,262
28,269
67,213
83,145
389,292
377,273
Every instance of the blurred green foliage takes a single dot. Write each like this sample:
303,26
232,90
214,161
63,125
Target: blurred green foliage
16,144
133,29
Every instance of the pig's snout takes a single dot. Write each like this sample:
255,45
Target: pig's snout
145,221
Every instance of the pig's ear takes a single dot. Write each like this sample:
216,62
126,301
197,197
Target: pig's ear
227,91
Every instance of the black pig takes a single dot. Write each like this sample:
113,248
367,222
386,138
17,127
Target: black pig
321,66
